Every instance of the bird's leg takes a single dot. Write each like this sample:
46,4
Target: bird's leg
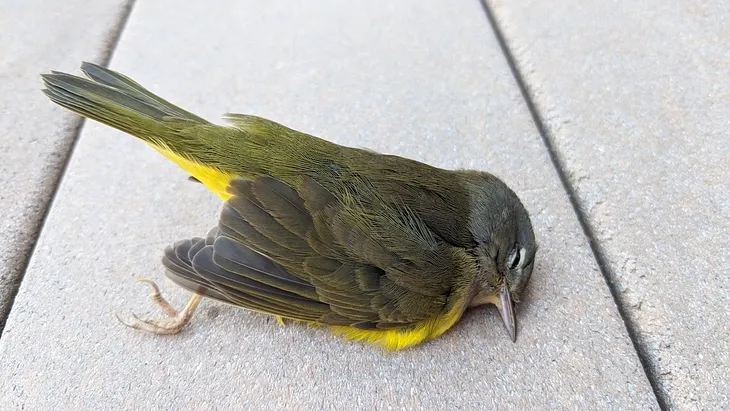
173,325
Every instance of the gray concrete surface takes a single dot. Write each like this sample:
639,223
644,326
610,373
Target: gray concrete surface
422,79
636,96
35,138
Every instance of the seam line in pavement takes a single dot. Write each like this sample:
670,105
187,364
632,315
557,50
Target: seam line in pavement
609,276
114,34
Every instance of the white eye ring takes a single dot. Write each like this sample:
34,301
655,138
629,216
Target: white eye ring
517,258
522,257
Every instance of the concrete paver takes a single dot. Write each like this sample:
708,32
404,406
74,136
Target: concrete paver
421,79
35,138
636,96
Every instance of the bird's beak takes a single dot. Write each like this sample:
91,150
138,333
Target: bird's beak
507,311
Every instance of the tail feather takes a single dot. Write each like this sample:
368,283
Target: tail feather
130,87
117,101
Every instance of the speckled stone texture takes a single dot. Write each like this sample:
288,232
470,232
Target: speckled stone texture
636,97
35,137
422,79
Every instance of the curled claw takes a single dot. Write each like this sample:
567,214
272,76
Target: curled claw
177,319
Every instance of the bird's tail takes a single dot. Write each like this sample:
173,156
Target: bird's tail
120,102
116,100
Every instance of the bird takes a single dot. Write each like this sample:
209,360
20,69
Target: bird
379,248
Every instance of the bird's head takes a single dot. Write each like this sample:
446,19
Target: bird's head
504,248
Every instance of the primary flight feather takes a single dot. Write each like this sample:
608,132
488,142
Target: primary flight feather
381,248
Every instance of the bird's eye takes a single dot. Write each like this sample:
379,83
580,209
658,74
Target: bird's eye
514,258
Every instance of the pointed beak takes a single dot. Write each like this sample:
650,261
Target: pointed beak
507,311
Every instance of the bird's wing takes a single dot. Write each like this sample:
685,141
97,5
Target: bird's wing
308,255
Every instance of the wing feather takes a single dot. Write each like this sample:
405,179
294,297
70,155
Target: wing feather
306,253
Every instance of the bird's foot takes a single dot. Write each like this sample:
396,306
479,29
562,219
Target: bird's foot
173,325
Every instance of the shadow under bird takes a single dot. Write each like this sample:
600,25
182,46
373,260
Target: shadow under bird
381,248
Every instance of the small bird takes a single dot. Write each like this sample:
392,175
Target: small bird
382,249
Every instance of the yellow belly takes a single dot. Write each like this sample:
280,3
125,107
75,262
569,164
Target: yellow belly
398,339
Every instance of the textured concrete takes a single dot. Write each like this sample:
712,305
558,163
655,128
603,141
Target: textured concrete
636,96
422,79
35,138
